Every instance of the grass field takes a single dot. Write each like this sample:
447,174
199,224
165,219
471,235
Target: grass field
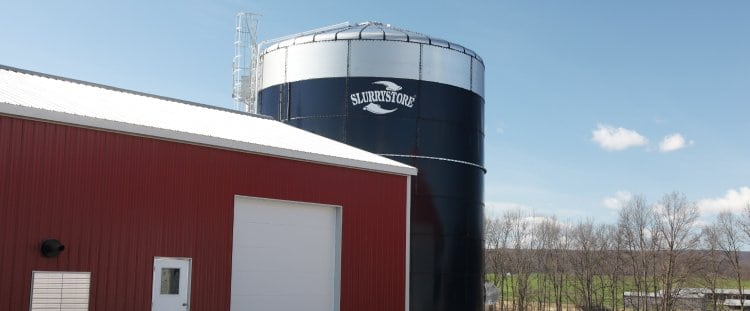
540,288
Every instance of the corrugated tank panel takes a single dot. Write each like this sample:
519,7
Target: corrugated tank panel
116,201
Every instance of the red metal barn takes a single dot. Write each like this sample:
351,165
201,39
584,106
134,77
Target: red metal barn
116,200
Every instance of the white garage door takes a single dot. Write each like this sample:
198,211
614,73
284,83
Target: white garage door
285,255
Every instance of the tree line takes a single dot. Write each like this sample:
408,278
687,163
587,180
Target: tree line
540,263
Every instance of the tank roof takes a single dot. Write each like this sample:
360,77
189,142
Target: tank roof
367,31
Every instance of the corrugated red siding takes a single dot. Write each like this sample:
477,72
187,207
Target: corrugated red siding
116,201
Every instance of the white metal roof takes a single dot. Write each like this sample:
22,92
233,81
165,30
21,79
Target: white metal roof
39,96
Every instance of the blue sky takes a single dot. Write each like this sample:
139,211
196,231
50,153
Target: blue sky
581,96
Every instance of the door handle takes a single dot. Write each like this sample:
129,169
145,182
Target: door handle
184,304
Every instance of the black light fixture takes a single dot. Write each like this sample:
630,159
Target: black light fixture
52,248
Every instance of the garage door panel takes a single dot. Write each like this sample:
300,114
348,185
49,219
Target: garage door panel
276,282
289,235
280,302
279,213
252,258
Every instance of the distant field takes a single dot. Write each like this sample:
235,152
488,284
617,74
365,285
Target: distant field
537,292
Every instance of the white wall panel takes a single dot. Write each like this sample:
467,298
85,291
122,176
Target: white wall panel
477,80
316,60
387,59
446,66
274,68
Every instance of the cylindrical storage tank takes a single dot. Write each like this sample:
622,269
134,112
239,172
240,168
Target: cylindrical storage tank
414,99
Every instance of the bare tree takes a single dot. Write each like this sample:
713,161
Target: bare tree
654,253
542,247
634,224
730,242
509,258
586,263
713,262
550,262
675,220
521,259
615,263
555,265
497,262
492,254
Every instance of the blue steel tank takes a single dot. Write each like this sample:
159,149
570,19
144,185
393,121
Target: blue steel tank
412,98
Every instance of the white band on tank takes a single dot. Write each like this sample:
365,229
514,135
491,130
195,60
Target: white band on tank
372,52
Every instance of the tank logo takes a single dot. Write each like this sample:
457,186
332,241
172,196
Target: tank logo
376,99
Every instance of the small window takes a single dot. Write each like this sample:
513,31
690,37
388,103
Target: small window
170,281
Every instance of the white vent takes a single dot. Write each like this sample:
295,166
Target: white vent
60,291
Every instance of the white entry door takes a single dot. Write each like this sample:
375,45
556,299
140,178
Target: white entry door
171,284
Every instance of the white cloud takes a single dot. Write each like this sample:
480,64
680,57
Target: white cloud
612,138
618,200
733,200
673,142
